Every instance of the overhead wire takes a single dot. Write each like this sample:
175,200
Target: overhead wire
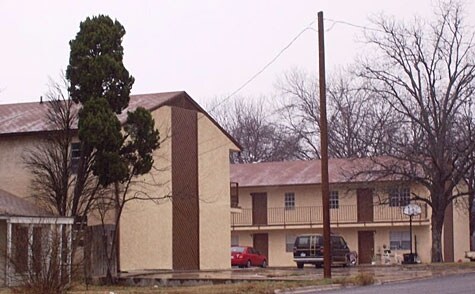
267,65
292,41
274,59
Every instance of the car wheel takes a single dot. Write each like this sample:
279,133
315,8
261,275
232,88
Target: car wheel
318,265
248,264
299,265
264,264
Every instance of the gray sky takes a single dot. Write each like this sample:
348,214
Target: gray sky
207,48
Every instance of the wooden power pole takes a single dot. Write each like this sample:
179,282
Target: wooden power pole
327,273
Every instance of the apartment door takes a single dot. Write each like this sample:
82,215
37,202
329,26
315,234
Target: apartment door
365,246
365,205
259,208
261,244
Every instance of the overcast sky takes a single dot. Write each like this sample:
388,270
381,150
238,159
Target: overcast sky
206,48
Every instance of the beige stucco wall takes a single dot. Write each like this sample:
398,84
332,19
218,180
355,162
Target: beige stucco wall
310,195
461,229
146,226
214,195
15,178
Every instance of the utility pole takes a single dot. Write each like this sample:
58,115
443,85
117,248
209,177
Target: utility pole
327,272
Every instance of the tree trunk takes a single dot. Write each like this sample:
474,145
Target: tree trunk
437,224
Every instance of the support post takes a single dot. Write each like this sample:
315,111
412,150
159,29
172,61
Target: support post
324,151
60,250
30,248
69,251
8,267
410,232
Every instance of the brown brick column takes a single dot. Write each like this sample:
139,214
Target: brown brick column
185,200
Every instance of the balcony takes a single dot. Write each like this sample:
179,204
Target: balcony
313,215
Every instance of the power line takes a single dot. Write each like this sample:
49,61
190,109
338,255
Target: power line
274,59
252,78
335,21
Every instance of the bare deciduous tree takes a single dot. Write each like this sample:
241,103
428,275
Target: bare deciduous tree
67,190
61,184
425,72
251,124
299,109
356,125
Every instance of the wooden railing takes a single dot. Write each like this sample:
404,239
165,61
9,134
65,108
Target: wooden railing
313,215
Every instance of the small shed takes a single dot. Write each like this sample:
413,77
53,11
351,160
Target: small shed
32,241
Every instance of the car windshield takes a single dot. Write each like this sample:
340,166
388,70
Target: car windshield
237,249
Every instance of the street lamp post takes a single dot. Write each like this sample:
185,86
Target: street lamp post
411,210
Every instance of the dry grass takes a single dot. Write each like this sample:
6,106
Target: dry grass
244,287
258,287
361,279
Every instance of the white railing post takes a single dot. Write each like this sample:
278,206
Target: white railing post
9,255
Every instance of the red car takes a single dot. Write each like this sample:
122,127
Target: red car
245,256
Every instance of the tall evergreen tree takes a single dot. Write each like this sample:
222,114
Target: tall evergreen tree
100,82
96,66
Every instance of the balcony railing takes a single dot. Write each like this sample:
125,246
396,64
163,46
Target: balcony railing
313,215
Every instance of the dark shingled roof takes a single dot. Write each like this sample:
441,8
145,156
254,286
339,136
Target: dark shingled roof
301,172
11,205
23,118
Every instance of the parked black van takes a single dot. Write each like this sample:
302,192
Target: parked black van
308,249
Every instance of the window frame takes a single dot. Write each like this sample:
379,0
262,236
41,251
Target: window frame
75,148
402,239
399,196
289,200
334,199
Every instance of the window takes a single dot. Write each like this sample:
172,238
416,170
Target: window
334,200
289,200
234,240
75,155
289,242
399,196
338,242
399,240
234,195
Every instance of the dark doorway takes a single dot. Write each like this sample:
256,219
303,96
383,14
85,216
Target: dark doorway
365,246
365,205
259,208
261,244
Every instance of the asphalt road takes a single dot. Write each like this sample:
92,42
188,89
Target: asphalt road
452,284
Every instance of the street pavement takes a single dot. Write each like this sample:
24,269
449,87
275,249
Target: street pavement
450,284
382,274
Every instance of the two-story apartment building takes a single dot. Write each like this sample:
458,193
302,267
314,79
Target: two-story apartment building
190,177
280,200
